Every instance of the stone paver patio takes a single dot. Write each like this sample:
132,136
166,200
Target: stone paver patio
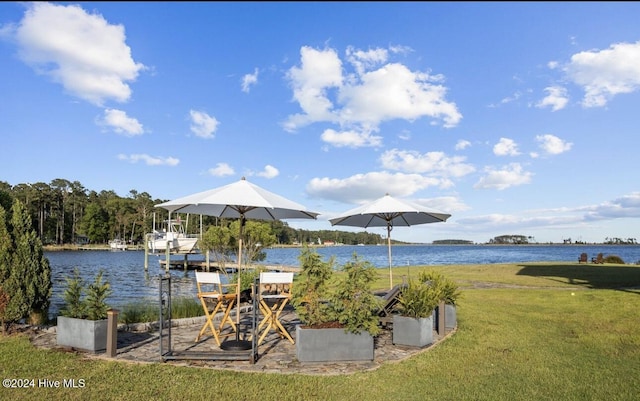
141,344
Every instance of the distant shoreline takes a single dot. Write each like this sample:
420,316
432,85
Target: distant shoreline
106,247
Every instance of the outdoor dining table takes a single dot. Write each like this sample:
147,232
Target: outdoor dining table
275,294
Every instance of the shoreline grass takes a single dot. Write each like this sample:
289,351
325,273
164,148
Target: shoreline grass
534,331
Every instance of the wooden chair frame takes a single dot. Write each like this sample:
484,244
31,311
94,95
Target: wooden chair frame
210,287
598,259
274,292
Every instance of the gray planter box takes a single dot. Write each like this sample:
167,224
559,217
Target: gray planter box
82,334
411,331
450,317
325,345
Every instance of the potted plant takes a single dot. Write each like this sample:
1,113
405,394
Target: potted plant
337,325
413,325
450,294
82,323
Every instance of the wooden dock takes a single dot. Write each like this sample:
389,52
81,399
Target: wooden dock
202,265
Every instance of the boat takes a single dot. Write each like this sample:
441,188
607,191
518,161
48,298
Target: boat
175,236
118,245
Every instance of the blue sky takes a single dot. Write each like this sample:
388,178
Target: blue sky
515,118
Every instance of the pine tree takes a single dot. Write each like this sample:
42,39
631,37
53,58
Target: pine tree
5,264
29,284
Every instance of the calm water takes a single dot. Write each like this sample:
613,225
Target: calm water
131,283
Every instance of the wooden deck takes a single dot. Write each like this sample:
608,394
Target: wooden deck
202,265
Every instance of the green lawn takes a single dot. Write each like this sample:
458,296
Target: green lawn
540,331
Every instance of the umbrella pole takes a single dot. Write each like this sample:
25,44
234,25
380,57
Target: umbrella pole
238,289
389,251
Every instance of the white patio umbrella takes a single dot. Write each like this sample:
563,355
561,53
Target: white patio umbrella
389,212
242,200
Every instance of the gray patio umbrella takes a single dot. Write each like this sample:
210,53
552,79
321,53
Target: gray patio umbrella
242,200
389,212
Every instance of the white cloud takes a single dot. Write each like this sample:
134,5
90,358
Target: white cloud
221,170
506,147
627,206
394,92
150,160
511,98
81,51
509,176
556,98
248,80
366,97
351,139
365,60
319,71
436,163
449,204
269,172
606,73
203,125
365,187
121,123
553,145
462,144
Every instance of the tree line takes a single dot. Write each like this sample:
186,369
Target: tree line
65,212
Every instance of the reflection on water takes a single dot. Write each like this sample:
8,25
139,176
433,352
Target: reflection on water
130,283
125,272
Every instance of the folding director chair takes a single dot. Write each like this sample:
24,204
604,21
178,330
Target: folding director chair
211,289
275,293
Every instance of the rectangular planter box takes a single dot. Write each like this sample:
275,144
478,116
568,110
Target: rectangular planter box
411,331
450,317
325,345
82,334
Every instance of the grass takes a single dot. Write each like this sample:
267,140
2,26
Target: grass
540,331
142,312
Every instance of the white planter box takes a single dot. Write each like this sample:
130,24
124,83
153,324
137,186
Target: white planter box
82,334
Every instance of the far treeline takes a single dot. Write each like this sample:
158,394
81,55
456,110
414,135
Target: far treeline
65,212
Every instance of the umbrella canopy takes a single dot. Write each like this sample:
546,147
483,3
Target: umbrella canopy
242,200
389,212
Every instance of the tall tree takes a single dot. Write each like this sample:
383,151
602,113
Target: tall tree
41,195
28,284
96,223
78,200
5,264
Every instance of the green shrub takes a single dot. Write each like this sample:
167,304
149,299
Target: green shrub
419,298
73,305
450,292
310,290
613,259
93,306
353,304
